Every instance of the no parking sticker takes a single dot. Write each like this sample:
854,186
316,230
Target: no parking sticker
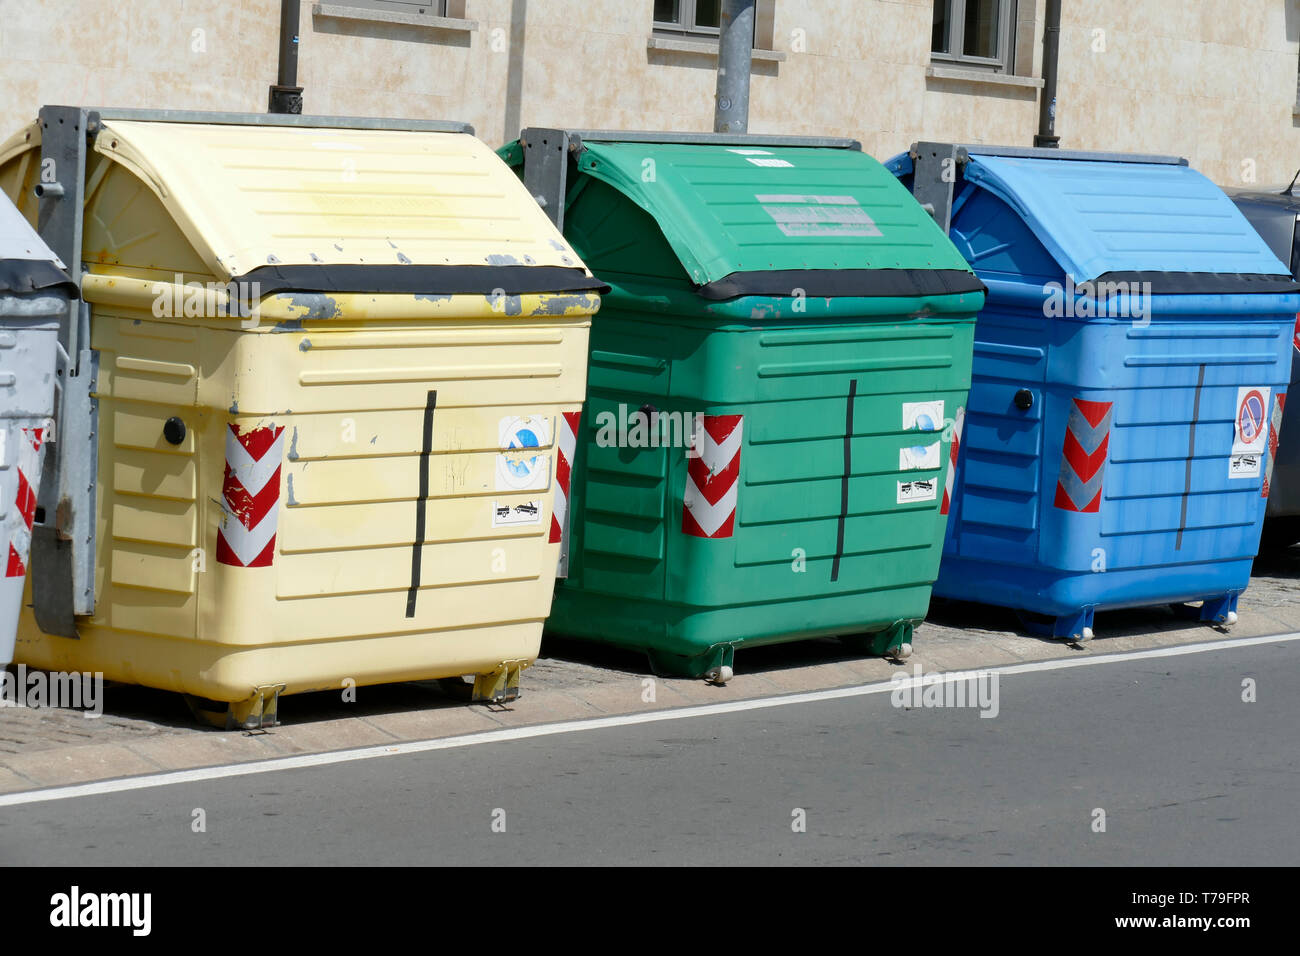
1250,432
521,466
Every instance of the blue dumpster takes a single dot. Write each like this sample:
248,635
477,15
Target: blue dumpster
1131,364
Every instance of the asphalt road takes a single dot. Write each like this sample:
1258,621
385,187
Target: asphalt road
1186,772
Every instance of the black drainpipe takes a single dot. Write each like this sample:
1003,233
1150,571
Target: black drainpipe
1046,135
286,94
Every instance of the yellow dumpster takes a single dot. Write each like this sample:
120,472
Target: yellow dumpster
333,368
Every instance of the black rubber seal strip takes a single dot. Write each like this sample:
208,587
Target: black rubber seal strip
421,502
422,280
1191,453
1203,283
39,275
836,283
844,483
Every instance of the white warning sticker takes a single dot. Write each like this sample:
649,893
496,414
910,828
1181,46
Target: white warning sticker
505,514
923,416
1250,432
1244,466
750,152
521,466
919,457
769,162
804,215
913,491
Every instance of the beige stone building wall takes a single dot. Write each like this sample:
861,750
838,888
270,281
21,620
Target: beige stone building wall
175,54
1214,80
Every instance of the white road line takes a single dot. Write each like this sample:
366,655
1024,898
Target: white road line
148,781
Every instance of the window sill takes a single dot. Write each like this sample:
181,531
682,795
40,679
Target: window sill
338,11
987,78
706,48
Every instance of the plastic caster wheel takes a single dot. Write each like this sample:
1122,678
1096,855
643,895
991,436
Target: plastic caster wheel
1230,619
1085,635
719,675
902,652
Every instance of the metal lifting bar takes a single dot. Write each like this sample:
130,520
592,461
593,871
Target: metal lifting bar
280,119
547,152
935,167
63,532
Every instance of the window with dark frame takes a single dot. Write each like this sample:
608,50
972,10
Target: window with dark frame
974,33
423,8
688,17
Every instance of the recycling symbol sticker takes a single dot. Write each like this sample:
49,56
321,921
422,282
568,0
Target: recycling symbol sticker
922,417
521,465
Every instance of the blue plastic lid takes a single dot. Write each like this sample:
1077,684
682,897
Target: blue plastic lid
1097,217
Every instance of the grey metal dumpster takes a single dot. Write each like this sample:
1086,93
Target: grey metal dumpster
34,293
1274,214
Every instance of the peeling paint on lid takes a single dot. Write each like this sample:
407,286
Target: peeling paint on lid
564,304
315,305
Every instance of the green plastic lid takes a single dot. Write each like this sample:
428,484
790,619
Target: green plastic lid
754,219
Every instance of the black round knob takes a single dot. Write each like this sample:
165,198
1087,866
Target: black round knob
174,430
648,411
1024,399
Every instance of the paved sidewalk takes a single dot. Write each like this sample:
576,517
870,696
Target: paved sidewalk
146,731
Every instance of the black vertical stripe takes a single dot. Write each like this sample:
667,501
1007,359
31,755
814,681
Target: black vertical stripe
844,483
1191,453
421,502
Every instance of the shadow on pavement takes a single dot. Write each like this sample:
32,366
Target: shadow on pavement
1277,563
570,664
168,709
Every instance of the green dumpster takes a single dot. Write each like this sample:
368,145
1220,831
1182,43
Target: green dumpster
775,394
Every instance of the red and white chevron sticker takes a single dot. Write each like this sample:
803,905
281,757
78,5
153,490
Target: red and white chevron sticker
1274,424
566,444
19,526
1083,457
713,479
246,538
958,420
